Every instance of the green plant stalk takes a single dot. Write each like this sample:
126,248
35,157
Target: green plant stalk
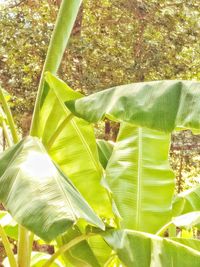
8,248
31,239
9,116
23,240
23,247
62,30
66,247
6,133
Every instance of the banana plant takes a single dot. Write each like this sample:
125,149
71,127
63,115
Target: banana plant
98,203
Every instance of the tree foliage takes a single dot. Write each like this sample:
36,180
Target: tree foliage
114,42
24,37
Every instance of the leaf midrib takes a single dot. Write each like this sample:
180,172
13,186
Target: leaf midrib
80,135
139,174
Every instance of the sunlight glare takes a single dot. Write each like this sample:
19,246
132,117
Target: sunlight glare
39,165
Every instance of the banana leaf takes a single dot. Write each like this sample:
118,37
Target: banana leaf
140,249
79,255
36,192
190,242
95,252
187,201
140,178
159,105
71,143
105,149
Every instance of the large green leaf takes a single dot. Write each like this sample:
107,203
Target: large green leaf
72,145
36,192
187,201
140,178
160,105
140,249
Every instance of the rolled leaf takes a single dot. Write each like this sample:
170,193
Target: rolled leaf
140,178
159,105
71,143
140,249
37,194
62,30
64,25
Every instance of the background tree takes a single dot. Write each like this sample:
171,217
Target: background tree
113,42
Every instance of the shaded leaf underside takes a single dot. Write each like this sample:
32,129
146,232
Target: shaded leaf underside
159,105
